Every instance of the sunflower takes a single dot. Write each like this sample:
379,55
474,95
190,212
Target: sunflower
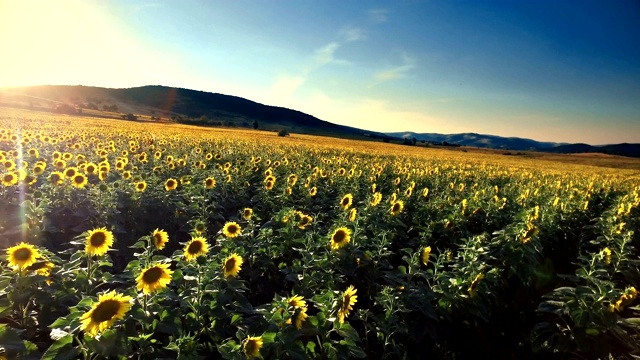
170,184
606,254
346,201
352,214
38,169
313,192
251,346
90,168
56,178
9,179
154,278
70,172
42,268
292,180
408,192
209,183
98,241
340,237
109,308
232,265
79,180
375,200
346,302
231,229
22,255
299,316
397,207
472,290
196,247
425,255
305,220
9,165
160,238
247,213
269,184
141,186
296,301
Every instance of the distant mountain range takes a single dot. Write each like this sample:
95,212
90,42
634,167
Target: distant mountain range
517,144
162,103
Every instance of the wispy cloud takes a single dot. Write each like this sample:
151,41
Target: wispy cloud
350,33
378,16
324,55
286,85
396,72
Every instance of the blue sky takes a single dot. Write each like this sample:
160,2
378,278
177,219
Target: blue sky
566,71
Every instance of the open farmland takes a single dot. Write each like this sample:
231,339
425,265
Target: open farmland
127,239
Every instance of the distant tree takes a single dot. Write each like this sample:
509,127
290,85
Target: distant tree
283,133
130,116
413,141
386,140
255,124
406,141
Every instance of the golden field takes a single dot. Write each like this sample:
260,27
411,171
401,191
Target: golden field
123,239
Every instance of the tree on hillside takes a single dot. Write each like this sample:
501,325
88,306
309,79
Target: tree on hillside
255,124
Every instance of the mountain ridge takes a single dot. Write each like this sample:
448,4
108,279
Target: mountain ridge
215,109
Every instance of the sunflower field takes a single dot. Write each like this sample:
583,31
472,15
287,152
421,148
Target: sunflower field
138,240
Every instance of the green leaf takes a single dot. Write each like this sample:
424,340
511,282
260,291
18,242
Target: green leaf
10,340
269,337
62,349
110,343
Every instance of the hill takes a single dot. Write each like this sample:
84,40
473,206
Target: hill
518,144
177,104
478,140
162,103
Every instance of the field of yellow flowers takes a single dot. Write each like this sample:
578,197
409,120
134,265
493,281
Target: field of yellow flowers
138,240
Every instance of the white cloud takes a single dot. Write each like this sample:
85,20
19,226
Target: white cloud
399,71
352,34
378,16
324,55
285,86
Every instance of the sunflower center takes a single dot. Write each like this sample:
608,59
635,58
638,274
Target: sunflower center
251,347
140,185
232,229
194,247
396,207
8,178
23,254
152,275
78,179
70,172
98,239
157,238
345,201
105,311
339,236
229,265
